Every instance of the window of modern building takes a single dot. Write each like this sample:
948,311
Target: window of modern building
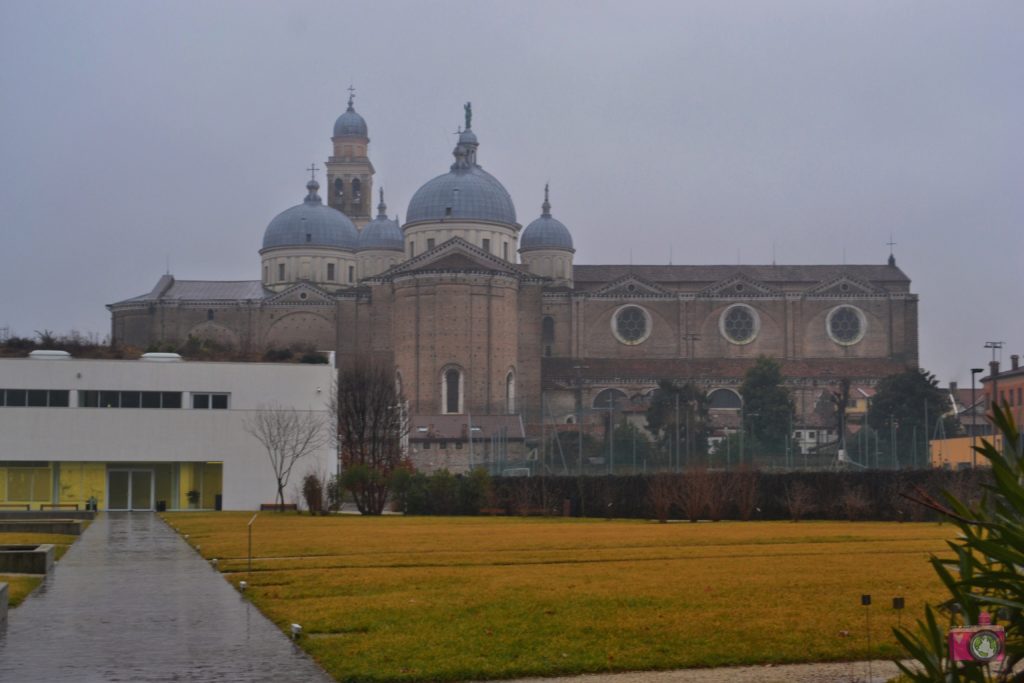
330,272
129,399
34,398
203,401
27,481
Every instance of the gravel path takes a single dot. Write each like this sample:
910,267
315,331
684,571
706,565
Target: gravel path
835,672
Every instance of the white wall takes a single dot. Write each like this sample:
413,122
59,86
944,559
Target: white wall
164,434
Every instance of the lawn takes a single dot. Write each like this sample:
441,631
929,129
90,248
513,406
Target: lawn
403,599
20,585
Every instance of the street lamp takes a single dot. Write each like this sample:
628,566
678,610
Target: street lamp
974,417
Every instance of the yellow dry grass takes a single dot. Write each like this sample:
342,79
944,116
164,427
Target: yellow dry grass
394,598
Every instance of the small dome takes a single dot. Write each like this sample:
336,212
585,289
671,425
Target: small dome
546,232
311,224
382,232
468,137
350,124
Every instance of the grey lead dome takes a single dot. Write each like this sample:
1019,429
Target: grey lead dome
381,232
546,232
350,124
311,224
466,192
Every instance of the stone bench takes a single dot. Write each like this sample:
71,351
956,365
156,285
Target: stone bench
278,507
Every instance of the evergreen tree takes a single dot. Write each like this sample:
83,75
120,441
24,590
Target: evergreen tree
898,412
678,418
767,405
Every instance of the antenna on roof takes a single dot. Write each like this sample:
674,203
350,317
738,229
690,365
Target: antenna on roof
773,252
891,243
670,254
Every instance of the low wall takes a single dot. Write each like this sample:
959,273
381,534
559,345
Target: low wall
26,559
71,527
47,514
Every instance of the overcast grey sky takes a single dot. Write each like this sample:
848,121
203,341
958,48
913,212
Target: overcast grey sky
137,133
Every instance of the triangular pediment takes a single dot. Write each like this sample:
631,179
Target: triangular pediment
629,286
738,286
301,293
844,285
456,255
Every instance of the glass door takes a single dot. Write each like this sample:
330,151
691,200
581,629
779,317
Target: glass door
130,490
142,489
118,482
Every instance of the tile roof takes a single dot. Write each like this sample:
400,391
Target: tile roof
561,370
455,427
170,289
810,274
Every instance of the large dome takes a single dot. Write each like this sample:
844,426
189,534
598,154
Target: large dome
350,124
382,232
311,224
466,192
546,232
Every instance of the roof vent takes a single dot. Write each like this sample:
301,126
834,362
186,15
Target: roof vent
48,354
162,357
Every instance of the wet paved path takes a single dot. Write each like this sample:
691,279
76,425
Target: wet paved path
132,602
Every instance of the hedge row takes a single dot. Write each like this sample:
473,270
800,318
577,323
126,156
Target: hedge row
869,495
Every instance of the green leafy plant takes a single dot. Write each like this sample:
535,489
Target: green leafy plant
986,572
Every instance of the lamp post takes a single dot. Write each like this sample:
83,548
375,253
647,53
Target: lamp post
974,417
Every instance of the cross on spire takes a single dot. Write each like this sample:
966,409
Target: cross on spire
312,171
891,243
351,95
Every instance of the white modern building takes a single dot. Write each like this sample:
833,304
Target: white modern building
147,434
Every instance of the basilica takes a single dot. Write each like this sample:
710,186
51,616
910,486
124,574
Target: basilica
496,334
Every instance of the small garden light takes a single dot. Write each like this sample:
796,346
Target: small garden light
296,631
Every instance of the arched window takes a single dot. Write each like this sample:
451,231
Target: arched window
726,399
451,391
339,188
547,334
357,192
606,398
510,392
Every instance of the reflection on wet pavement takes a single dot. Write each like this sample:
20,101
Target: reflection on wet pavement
132,602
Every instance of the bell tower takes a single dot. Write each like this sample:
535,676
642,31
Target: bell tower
349,171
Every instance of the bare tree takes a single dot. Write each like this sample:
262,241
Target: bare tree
372,426
288,435
662,494
695,490
799,500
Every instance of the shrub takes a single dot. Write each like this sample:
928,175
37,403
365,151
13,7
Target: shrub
313,493
474,492
986,572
